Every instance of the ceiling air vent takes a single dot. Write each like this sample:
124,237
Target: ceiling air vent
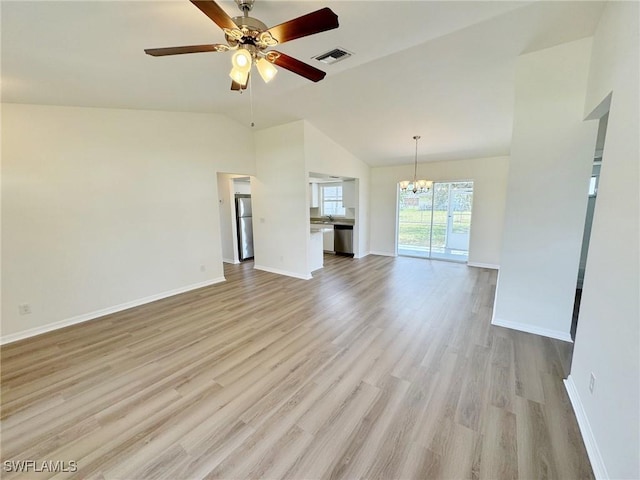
333,56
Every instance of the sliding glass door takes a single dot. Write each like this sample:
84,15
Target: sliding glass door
414,223
436,224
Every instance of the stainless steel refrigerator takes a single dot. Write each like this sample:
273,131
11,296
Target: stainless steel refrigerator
244,222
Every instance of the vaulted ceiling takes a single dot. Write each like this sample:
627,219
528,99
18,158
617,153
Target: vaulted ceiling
443,70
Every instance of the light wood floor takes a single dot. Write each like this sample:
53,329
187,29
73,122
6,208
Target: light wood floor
377,368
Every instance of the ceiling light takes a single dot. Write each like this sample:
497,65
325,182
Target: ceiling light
241,60
266,70
416,185
239,76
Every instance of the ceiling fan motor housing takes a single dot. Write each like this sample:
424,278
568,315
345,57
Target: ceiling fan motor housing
245,5
251,27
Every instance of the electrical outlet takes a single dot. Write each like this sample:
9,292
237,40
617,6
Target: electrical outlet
592,382
24,309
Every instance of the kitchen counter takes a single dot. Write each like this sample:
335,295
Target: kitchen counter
320,228
348,222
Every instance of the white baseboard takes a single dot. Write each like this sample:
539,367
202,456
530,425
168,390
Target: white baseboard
492,266
525,327
231,261
282,272
32,332
362,256
597,464
383,254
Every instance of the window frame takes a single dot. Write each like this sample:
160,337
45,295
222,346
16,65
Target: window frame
338,201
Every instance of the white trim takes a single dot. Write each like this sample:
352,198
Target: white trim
492,266
228,260
282,272
495,298
525,327
597,464
32,332
363,255
383,254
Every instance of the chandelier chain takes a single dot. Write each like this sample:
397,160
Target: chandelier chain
415,166
416,185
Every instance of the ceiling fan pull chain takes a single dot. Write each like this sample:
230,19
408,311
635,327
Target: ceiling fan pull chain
251,100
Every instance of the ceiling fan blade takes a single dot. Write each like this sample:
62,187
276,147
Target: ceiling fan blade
160,52
315,22
212,10
296,66
236,86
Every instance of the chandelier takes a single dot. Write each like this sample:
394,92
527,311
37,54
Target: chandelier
416,186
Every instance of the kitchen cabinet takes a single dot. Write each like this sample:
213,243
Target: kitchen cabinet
315,255
327,241
314,195
349,194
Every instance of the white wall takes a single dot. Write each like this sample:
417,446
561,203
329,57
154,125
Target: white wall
608,336
227,218
280,201
105,208
323,155
551,158
489,177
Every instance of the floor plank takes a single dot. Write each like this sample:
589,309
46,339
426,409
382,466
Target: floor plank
376,368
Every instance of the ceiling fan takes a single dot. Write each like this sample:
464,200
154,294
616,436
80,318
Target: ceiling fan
250,39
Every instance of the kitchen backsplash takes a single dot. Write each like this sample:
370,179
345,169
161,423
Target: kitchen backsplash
315,213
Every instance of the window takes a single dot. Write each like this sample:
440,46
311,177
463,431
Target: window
332,200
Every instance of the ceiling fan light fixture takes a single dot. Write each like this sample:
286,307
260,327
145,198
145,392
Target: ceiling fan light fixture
239,76
266,69
241,60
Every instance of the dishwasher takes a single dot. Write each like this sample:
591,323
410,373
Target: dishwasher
343,240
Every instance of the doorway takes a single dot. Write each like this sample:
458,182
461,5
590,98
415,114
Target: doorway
437,223
230,187
591,206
